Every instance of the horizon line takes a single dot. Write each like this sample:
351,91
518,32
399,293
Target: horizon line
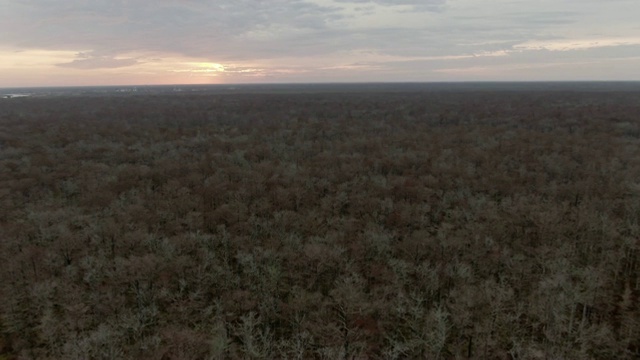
327,83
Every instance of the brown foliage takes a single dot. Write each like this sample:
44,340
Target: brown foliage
412,224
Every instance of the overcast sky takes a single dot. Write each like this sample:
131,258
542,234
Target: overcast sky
109,42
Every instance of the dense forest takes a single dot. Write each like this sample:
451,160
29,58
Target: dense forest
376,225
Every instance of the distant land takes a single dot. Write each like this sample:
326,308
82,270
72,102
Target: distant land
10,93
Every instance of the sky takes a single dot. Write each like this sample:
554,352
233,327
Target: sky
140,42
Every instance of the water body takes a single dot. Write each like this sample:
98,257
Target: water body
11,96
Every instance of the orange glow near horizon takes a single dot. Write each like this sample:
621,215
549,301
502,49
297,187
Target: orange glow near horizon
38,67
82,67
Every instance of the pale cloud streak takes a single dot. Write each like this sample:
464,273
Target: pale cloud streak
576,44
91,61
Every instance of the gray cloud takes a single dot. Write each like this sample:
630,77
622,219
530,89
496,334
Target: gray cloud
415,5
184,26
381,36
93,61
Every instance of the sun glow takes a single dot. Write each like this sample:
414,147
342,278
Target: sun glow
207,67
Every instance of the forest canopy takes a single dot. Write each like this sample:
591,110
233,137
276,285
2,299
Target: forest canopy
374,225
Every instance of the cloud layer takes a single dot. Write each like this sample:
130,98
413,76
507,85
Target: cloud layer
317,40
